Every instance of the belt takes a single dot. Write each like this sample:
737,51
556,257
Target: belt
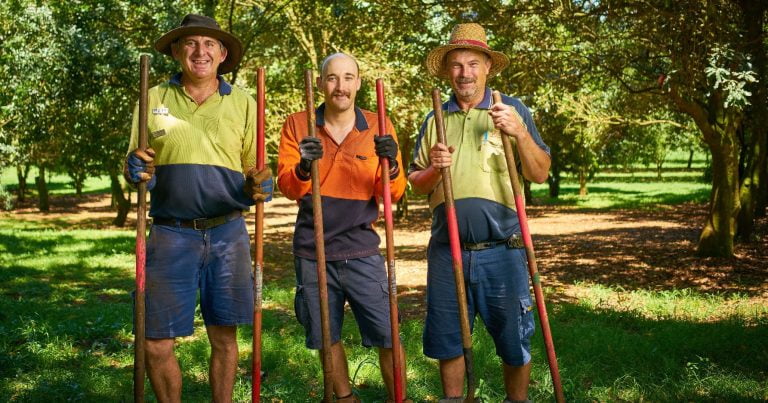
513,242
198,223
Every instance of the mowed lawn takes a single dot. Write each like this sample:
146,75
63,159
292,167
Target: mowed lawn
65,323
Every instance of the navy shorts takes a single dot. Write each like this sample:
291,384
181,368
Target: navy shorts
181,261
362,282
496,284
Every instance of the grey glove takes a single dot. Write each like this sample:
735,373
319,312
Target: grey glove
311,148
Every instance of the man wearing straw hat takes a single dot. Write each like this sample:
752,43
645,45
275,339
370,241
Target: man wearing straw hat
494,261
348,150
200,169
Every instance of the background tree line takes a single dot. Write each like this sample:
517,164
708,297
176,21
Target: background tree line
611,83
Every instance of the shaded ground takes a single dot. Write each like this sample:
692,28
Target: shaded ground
633,249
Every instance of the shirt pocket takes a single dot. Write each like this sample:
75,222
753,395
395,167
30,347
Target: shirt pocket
360,166
491,156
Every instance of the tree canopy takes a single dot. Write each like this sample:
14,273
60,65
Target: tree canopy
609,82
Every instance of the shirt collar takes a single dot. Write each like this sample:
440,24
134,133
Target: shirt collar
360,123
452,105
224,87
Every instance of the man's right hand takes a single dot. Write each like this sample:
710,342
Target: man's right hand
140,166
440,156
310,148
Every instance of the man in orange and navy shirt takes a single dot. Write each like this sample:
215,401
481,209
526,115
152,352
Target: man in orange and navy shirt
348,149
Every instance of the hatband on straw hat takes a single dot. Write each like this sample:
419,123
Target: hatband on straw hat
194,24
466,36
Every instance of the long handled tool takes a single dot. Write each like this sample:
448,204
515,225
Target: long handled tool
258,240
141,245
389,225
317,212
532,268
453,235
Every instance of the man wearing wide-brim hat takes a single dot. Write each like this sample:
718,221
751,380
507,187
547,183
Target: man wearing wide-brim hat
493,257
200,170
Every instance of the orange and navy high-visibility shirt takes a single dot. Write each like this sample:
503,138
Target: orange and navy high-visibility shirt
201,151
350,186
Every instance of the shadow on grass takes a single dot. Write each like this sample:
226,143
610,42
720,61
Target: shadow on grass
65,333
606,355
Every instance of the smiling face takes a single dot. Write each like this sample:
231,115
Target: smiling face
199,56
468,71
339,82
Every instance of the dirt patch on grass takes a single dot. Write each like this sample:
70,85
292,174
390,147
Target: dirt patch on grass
632,249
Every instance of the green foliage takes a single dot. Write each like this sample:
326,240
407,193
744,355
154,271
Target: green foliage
732,82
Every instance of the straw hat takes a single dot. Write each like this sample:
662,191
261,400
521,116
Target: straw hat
194,24
466,36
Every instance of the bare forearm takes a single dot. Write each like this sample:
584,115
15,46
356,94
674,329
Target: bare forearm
425,180
534,160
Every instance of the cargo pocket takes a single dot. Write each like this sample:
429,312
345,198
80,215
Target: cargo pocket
300,306
526,318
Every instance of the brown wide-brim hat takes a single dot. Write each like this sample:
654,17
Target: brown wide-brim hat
466,36
194,24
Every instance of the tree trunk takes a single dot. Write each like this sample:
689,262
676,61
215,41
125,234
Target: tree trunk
118,199
42,190
554,177
78,179
754,186
717,236
583,184
761,204
756,120
21,176
690,159
527,192
719,126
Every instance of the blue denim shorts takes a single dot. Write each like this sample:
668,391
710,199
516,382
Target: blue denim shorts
181,261
362,282
496,284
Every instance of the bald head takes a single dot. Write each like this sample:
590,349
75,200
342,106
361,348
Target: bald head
339,55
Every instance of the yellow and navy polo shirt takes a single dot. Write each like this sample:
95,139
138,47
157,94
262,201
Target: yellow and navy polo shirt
350,186
485,204
201,150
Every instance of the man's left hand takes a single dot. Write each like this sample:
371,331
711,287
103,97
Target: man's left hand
259,184
506,119
386,147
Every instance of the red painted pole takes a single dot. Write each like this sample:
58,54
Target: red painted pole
139,367
453,236
317,212
258,240
532,267
389,226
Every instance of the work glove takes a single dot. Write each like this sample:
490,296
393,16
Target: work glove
310,148
140,167
259,184
386,147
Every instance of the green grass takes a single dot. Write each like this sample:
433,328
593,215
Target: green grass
624,194
65,334
58,183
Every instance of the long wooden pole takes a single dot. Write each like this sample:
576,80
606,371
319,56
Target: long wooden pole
317,212
258,240
532,267
139,367
391,271
453,235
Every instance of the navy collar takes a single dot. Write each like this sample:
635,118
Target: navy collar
224,87
452,105
360,123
